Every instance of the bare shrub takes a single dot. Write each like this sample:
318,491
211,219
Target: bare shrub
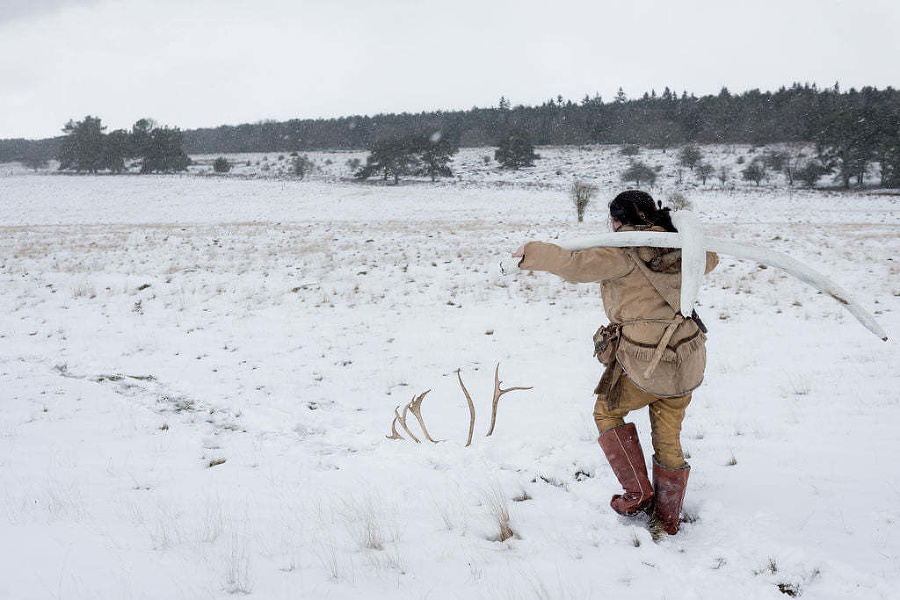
370,521
582,193
678,202
704,170
83,289
755,171
723,174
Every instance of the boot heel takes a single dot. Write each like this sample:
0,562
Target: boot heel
669,486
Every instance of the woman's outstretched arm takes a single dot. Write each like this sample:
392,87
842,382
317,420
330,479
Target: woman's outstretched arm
582,266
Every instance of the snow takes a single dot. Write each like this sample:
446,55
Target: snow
154,326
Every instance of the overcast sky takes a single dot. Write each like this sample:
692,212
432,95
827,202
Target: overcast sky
194,63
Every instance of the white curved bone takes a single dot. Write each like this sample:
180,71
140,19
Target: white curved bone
693,258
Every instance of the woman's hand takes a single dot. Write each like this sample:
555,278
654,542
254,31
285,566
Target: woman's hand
520,252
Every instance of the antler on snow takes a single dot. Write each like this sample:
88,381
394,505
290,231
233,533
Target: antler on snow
415,407
471,409
497,393
402,419
394,435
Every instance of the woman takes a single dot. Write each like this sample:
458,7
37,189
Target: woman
659,358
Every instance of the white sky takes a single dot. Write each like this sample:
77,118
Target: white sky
195,63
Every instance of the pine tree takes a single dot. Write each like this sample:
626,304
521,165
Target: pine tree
302,165
82,147
516,151
392,157
847,142
221,165
140,137
163,152
435,152
116,148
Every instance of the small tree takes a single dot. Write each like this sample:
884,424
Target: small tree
221,165
435,152
890,164
302,165
790,168
116,148
678,202
516,151
582,194
775,160
723,174
34,162
811,172
631,150
163,152
638,172
689,156
755,172
392,157
704,170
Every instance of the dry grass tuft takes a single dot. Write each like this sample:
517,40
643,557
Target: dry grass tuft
499,512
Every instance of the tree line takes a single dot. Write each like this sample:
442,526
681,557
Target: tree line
853,129
796,114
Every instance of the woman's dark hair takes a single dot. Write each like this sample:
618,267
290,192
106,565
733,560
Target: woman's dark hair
638,209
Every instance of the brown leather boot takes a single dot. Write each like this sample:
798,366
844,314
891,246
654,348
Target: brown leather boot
669,486
623,451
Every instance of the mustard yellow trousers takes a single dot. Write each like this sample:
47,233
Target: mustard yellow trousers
666,415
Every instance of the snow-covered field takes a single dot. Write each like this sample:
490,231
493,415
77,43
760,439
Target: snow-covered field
197,376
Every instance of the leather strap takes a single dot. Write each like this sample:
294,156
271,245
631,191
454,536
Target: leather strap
672,323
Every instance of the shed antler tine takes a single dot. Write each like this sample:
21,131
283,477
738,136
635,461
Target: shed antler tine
415,407
394,435
497,393
402,419
471,408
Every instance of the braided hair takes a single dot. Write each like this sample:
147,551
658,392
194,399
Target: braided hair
638,209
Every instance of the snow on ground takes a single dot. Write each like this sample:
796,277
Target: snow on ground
154,327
